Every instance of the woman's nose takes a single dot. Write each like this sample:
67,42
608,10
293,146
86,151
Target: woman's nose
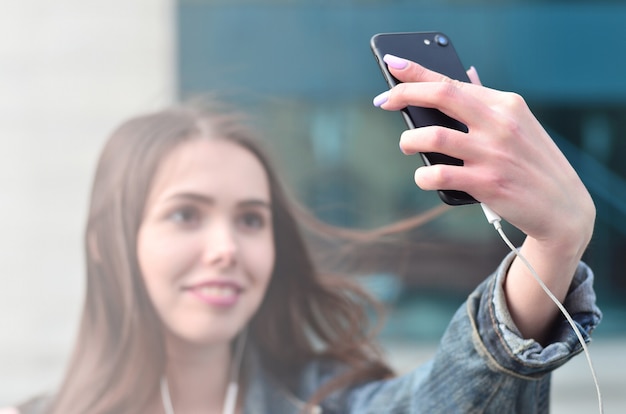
220,247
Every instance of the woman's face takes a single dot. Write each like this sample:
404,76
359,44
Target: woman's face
205,245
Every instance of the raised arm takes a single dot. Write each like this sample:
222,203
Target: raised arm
512,165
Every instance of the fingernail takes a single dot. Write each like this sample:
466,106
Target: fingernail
381,99
400,146
472,74
395,62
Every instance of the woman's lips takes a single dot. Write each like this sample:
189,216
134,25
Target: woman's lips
216,294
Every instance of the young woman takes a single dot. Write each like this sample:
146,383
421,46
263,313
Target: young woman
203,297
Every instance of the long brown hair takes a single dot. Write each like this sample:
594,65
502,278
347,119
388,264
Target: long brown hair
119,354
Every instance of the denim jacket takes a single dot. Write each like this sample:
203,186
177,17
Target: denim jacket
482,365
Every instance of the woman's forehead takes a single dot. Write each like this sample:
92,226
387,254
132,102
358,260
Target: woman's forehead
216,167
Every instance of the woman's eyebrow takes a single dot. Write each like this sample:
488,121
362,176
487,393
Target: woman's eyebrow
255,203
209,200
200,198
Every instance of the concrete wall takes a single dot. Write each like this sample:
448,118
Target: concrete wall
70,71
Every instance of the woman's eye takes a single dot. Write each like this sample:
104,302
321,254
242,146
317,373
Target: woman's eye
185,216
252,221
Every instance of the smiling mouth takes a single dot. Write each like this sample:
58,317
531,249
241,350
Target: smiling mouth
219,291
221,295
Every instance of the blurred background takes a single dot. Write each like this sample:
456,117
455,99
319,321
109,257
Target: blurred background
71,71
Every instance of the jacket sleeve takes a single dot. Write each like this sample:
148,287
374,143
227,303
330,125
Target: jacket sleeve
483,365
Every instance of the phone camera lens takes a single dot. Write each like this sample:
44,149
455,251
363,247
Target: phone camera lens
441,40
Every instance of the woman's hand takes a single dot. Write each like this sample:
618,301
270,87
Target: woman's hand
512,165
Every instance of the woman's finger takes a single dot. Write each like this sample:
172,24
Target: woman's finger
412,72
439,139
451,177
456,99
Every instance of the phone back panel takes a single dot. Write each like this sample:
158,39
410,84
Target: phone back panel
423,48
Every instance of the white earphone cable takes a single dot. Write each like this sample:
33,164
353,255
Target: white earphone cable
230,401
494,219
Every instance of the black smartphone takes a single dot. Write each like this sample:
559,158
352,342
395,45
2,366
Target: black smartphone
434,51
